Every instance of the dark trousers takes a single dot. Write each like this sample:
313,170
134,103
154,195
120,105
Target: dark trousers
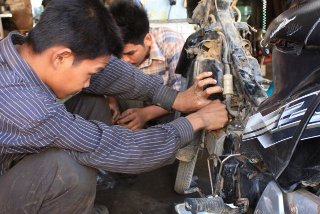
52,181
90,107
48,182
128,104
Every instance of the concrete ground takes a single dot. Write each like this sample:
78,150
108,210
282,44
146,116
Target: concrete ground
151,192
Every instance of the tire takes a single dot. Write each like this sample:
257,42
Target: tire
184,175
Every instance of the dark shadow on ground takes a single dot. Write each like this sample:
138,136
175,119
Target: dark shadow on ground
152,192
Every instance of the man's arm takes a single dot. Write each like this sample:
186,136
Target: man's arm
92,143
42,123
196,97
135,118
125,81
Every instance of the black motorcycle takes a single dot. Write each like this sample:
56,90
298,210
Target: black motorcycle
267,158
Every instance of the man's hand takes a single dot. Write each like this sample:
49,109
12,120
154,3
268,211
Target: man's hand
211,117
114,108
195,97
133,118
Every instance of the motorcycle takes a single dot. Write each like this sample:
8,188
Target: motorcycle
267,158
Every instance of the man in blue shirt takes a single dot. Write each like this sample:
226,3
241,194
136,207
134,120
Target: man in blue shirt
48,156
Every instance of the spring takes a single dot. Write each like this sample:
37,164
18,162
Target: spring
264,15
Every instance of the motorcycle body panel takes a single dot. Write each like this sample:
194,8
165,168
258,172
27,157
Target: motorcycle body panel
274,200
268,134
298,24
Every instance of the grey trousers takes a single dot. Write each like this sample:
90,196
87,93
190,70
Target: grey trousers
48,182
52,181
90,107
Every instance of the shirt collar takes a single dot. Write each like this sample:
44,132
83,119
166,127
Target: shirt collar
155,54
17,63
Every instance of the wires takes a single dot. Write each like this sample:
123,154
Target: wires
171,2
169,12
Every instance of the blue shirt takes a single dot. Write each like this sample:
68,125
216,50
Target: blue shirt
32,121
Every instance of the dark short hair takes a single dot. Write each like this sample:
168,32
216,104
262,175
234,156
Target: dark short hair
84,26
44,3
132,20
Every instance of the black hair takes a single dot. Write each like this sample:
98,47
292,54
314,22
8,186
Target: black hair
132,19
84,26
44,3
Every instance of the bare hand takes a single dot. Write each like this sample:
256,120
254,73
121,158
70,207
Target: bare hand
132,119
195,97
211,117
114,108
115,112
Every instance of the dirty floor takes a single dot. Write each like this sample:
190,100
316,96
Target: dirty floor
151,192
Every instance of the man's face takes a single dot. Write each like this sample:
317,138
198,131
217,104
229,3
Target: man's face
136,53
73,77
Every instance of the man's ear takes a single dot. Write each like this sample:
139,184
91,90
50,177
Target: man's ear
62,57
148,40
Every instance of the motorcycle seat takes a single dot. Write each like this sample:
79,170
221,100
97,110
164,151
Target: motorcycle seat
299,24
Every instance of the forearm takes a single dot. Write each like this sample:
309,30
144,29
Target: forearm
165,97
138,151
152,112
112,101
113,148
117,149
124,81
196,122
